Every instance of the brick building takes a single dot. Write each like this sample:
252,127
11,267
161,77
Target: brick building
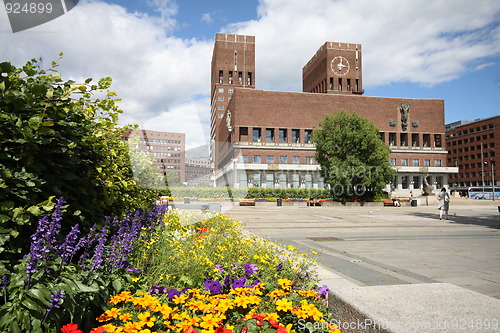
197,170
167,149
263,138
471,147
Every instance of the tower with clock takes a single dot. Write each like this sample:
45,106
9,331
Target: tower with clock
336,68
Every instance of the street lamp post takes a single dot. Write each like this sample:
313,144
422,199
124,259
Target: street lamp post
493,179
482,168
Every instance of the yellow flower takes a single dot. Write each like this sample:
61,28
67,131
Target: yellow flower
146,319
125,317
284,305
285,283
135,279
208,321
109,327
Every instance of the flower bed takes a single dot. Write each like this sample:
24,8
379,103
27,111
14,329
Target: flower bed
183,271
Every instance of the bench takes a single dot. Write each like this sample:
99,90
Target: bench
388,202
247,202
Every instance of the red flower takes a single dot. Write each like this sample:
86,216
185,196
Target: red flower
98,330
190,329
281,329
70,328
223,330
259,318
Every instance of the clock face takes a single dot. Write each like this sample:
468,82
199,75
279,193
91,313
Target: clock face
340,65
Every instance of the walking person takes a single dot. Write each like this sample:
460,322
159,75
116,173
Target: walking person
443,203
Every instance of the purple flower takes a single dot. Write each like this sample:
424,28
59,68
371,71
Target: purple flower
99,250
173,292
227,281
133,270
215,287
5,281
219,268
55,299
279,267
67,249
250,269
323,291
156,289
240,283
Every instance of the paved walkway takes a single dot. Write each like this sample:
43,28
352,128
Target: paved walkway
377,246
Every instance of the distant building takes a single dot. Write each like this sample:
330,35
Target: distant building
198,170
472,148
167,149
263,138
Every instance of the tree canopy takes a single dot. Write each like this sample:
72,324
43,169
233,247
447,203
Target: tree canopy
60,139
353,159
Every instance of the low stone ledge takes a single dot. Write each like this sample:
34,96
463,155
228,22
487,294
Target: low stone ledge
409,308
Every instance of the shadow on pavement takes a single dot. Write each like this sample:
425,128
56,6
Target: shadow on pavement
492,221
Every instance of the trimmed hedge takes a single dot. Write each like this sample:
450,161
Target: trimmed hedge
244,193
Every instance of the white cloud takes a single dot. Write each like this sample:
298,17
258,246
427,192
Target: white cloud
427,41
207,18
164,80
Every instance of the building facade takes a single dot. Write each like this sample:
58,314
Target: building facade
472,148
263,138
198,171
167,149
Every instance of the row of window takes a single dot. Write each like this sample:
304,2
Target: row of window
472,157
475,129
166,154
428,140
337,85
472,139
235,77
161,141
471,148
143,147
487,174
281,180
415,162
473,166
270,159
436,181
168,160
276,135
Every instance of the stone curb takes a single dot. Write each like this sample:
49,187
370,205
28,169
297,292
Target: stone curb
412,308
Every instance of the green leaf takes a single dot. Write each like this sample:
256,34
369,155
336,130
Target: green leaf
35,122
2,86
32,305
35,210
117,285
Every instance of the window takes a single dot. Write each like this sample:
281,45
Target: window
256,159
296,159
382,136
416,182
439,181
230,90
256,179
269,159
221,107
308,179
437,140
309,160
221,77
256,135
307,136
404,162
244,158
283,159
282,135
437,163
240,78
340,83
404,182
404,139
230,77
414,140
295,136
249,78
282,179
269,180
243,133
427,140
415,162
221,90
269,135
392,139
295,181
392,161
221,115
221,99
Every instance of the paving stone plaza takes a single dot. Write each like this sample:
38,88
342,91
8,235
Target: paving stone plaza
397,269
392,245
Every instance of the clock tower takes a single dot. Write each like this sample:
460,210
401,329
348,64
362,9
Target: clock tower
335,69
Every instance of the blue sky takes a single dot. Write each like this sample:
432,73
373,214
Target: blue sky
158,52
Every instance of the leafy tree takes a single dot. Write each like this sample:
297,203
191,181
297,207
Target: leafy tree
353,159
173,179
59,139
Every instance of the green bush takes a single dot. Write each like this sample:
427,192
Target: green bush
58,140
